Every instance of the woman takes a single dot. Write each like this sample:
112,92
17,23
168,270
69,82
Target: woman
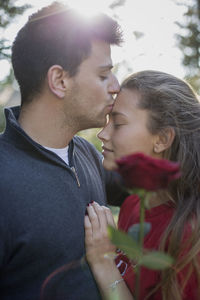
159,115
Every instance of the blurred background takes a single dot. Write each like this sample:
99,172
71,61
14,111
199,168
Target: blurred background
158,35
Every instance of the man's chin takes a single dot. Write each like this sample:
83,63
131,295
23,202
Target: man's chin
97,123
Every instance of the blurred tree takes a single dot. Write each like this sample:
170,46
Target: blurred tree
189,42
2,119
117,3
8,11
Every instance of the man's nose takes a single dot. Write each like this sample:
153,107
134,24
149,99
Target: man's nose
114,86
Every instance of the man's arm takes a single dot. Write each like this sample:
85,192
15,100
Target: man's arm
115,189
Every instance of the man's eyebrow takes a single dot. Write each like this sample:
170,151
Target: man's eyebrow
106,67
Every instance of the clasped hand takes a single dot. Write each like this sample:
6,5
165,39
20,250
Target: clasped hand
97,242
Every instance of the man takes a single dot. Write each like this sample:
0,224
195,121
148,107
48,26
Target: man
48,176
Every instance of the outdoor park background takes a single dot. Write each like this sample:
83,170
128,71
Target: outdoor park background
158,34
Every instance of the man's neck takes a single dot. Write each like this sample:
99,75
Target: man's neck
45,124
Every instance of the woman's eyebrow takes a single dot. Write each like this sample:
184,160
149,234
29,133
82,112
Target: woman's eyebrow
116,113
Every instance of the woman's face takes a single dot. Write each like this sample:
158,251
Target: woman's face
126,131
107,149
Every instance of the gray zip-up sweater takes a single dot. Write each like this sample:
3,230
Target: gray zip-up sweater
42,208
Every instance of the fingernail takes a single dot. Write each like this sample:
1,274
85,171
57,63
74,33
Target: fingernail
88,204
91,201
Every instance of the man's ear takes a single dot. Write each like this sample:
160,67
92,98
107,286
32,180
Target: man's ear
164,140
57,80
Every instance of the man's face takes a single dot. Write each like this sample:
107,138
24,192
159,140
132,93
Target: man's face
91,90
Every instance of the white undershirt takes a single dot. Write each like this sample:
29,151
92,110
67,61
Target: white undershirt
61,152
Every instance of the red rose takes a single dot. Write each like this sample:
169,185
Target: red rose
142,171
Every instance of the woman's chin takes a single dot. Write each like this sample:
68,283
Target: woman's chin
109,165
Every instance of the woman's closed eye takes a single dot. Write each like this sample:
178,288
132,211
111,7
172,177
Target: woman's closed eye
117,125
118,120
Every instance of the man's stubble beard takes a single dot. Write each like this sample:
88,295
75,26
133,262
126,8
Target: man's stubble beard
75,119
91,122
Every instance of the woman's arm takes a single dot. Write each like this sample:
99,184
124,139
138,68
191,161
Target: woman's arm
100,253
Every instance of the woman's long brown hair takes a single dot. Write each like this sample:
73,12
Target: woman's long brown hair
172,103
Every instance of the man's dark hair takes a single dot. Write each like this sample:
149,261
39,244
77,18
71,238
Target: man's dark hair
58,35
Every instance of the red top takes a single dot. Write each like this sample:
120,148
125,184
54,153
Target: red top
159,217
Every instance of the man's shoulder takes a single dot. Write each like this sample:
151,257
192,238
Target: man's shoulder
80,140
85,145
9,158
6,146
88,152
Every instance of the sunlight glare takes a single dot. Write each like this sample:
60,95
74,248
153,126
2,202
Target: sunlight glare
88,8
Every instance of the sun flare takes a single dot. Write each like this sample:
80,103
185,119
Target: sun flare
88,8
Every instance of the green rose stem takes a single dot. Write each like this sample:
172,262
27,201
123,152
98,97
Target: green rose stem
141,241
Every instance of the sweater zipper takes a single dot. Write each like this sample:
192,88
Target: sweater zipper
77,180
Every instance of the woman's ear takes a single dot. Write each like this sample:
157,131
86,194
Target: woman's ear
57,81
164,140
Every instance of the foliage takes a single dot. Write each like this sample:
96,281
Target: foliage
117,3
2,119
154,260
8,11
7,80
189,42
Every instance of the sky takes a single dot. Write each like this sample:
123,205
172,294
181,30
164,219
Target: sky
153,46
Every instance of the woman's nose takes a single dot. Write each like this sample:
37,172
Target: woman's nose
101,135
104,135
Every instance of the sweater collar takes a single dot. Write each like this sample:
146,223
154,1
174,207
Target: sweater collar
18,136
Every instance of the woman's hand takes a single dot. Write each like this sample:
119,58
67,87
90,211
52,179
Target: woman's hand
97,246
97,242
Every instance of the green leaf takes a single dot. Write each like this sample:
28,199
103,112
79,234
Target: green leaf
125,243
135,230
156,260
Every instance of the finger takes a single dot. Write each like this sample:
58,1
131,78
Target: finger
94,220
105,219
87,223
88,230
109,216
101,217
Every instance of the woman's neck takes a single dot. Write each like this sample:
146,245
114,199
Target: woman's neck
157,199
